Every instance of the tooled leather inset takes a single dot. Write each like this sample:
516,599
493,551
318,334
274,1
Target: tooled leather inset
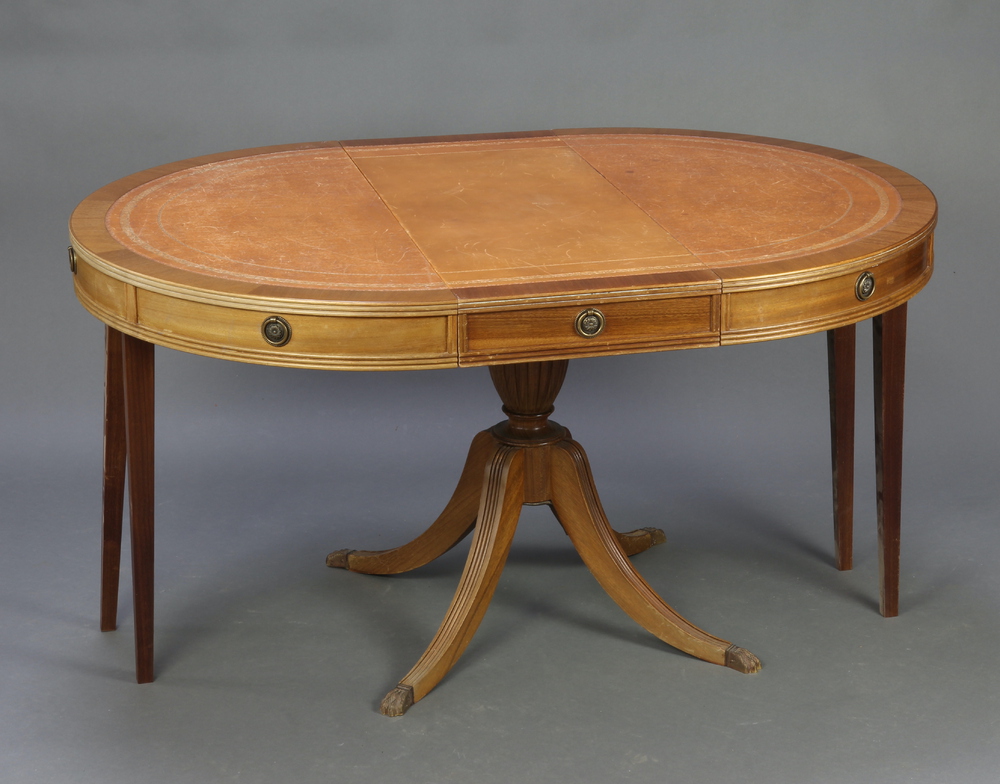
733,202
519,211
300,218
432,216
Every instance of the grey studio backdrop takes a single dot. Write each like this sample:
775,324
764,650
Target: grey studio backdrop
270,666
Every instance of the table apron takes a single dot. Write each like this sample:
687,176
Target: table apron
481,336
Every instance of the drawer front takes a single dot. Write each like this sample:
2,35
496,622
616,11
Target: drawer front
542,333
336,342
765,314
314,341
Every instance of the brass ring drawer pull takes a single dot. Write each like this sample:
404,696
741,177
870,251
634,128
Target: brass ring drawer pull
865,286
589,323
276,331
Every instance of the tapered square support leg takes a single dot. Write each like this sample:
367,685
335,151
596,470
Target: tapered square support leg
114,478
889,332
139,414
840,345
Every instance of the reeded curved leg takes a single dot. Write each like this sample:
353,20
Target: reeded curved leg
499,509
452,525
639,540
578,508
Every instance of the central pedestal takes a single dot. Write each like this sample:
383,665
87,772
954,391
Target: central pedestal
528,459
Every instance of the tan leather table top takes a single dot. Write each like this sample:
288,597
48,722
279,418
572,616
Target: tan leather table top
477,250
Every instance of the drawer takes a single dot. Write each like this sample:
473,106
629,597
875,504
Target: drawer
314,341
542,333
783,311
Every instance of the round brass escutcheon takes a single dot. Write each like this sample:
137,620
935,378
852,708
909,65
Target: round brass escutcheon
865,286
72,260
276,330
589,323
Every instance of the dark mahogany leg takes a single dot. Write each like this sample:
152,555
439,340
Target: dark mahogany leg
840,344
139,375
889,331
451,526
114,478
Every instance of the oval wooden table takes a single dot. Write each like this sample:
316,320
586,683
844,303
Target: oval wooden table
520,252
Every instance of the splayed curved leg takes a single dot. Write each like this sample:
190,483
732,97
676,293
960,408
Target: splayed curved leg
451,527
578,508
639,540
499,508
